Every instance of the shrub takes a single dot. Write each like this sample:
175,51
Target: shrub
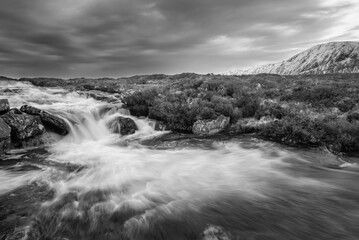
139,102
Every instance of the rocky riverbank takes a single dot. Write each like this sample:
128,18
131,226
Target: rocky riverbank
309,110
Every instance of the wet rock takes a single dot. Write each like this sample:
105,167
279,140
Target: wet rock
5,130
23,126
4,106
209,127
5,133
13,90
52,123
33,141
122,125
15,111
30,110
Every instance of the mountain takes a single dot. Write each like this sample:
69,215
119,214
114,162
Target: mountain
333,57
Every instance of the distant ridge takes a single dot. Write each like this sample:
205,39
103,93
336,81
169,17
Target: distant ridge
333,57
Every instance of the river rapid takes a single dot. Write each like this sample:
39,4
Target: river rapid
95,184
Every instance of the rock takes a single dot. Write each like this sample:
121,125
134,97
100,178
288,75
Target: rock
209,127
15,111
33,141
122,125
250,125
4,106
52,123
5,133
23,126
5,130
30,110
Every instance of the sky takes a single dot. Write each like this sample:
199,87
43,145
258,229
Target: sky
115,38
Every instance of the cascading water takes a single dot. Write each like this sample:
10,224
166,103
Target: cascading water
95,184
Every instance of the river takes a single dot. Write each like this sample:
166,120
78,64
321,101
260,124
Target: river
94,184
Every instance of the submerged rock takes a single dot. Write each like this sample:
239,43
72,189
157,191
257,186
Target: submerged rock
5,133
209,127
4,106
23,127
52,123
122,125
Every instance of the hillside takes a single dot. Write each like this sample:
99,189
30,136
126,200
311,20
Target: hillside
333,57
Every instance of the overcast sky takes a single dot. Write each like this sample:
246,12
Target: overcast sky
94,38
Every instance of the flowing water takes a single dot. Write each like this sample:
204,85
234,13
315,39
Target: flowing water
95,184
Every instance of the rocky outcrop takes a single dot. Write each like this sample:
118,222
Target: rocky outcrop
209,127
333,57
5,132
4,106
122,125
23,127
52,123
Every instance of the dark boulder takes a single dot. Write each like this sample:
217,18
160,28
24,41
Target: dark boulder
52,123
5,133
122,125
30,110
23,127
4,106
14,111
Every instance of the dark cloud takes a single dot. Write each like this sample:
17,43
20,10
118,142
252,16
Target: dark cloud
124,37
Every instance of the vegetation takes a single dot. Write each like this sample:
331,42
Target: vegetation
311,110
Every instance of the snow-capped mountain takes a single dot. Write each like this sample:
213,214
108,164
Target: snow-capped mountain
333,57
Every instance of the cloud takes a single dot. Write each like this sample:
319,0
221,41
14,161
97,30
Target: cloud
123,37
